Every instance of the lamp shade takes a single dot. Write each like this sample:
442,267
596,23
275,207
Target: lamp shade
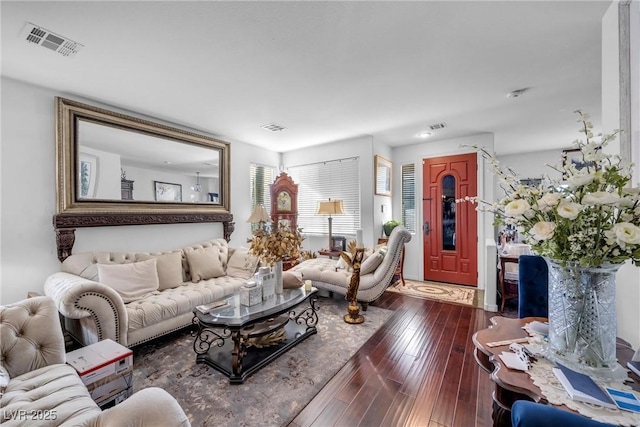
259,214
332,207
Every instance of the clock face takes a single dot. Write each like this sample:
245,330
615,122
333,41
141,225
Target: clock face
284,201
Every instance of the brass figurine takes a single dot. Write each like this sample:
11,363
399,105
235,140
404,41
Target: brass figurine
354,261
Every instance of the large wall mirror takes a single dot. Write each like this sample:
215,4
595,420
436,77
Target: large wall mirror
110,162
113,169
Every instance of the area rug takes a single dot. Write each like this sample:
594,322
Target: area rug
271,397
437,291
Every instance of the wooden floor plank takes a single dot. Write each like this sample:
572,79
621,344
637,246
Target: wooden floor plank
331,413
433,373
448,396
418,369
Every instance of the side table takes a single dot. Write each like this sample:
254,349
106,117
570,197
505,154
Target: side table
510,384
330,254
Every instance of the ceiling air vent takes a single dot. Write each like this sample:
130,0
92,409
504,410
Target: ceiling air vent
273,127
45,38
437,126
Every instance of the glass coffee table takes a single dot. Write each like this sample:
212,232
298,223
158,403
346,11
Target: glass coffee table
224,337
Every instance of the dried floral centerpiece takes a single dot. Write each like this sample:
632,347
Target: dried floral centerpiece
585,225
277,244
274,246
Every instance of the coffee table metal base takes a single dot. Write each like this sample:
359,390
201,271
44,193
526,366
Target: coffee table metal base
227,350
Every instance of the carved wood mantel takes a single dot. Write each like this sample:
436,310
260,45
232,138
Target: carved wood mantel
65,224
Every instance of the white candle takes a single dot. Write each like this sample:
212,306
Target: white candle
307,285
359,243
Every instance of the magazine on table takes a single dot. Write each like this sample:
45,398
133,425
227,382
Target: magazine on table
208,308
624,399
582,387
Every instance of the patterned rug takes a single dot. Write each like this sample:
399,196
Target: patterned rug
271,397
438,291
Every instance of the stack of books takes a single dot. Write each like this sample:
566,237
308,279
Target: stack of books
583,388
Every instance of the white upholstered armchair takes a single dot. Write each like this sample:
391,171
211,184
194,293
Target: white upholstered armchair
37,387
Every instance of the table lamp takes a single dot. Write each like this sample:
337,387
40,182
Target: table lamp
332,207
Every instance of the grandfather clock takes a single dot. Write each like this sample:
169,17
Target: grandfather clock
284,201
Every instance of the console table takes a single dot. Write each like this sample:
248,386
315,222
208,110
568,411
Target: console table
510,384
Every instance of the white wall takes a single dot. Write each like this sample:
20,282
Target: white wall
106,175
383,205
413,265
361,147
27,157
533,165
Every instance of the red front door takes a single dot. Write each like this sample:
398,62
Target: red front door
450,229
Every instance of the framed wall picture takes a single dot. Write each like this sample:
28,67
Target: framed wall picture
382,170
574,157
88,175
531,182
167,192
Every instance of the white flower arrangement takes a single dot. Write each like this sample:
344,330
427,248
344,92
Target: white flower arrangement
590,218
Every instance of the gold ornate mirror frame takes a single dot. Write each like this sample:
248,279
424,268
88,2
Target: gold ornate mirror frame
80,210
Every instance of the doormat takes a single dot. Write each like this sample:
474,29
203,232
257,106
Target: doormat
437,291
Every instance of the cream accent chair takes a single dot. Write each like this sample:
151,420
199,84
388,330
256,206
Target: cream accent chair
38,388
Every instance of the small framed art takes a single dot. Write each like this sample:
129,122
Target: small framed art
167,192
574,157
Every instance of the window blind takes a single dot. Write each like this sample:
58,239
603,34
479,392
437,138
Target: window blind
409,197
335,180
261,177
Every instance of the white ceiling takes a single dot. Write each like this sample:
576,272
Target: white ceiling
327,70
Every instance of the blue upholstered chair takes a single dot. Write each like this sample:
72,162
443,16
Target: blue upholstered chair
533,284
530,414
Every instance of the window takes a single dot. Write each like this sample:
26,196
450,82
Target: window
261,177
409,197
336,180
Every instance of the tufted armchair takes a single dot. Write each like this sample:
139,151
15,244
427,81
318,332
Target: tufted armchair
38,388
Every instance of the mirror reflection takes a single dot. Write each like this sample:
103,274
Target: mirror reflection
115,164
111,163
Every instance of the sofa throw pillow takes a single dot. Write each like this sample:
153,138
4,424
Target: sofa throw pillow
342,264
169,269
132,281
205,263
370,264
291,280
242,264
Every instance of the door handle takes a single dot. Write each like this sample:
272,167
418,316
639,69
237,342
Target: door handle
426,228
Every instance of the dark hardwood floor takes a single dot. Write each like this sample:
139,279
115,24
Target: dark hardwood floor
417,370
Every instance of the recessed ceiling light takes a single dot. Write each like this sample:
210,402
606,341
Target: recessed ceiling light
424,134
167,162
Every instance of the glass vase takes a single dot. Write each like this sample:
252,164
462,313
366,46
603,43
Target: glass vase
582,318
277,270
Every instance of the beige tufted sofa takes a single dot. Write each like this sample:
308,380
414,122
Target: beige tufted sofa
93,311
324,275
40,389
